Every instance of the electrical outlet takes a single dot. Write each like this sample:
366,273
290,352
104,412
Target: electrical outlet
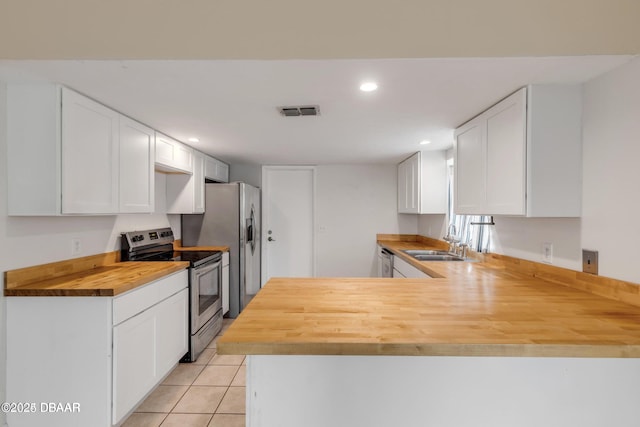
590,261
547,252
76,247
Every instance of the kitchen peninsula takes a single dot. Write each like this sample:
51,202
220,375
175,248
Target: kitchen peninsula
93,333
484,345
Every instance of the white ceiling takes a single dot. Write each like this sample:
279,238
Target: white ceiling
230,105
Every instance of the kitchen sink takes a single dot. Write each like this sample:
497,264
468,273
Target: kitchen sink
420,252
430,255
437,258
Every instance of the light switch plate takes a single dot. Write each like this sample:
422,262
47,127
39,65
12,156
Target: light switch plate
590,261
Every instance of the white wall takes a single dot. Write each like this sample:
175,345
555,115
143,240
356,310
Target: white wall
611,163
524,237
434,226
27,241
353,204
251,174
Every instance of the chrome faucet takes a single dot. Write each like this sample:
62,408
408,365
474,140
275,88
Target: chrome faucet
450,237
451,227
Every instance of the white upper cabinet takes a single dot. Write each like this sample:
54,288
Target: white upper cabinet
469,183
522,156
216,170
71,155
172,155
185,193
422,183
506,155
33,149
137,156
89,156
63,153
198,182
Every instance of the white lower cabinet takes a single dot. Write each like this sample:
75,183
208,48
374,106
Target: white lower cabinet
225,283
145,349
134,370
401,268
103,354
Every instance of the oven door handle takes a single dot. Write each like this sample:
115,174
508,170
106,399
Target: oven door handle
204,269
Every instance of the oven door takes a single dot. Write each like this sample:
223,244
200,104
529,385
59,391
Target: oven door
206,293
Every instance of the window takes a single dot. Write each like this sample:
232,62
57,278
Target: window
469,229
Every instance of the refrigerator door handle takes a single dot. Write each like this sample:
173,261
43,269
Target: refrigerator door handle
251,230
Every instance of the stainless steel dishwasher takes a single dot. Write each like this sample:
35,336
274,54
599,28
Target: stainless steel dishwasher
386,262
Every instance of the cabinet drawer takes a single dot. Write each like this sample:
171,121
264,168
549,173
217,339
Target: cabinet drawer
407,270
138,300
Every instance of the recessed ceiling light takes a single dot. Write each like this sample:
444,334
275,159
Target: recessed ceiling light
425,142
368,86
193,140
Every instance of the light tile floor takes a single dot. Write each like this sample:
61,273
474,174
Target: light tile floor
207,393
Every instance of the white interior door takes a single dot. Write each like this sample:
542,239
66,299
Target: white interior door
288,216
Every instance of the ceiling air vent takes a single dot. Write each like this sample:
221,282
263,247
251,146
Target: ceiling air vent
303,110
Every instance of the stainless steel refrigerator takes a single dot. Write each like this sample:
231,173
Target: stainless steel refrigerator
232,218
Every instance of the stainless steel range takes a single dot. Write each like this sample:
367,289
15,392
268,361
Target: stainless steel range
205,281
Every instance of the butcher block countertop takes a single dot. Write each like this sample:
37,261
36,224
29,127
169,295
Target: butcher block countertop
97,275
473,309
177,246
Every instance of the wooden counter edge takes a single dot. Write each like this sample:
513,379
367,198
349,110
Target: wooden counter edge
30,290
28,275
228,347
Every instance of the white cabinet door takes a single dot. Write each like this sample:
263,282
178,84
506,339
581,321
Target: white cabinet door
225,283
198,183
210,168
134,361
172,155
413,183
216,170
409,185
183,157
506,156
172,341
403,187
185,193
404,269
145,348
89,156
137,149
33,149
522,156
422,183
223,172
433,182
469,166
